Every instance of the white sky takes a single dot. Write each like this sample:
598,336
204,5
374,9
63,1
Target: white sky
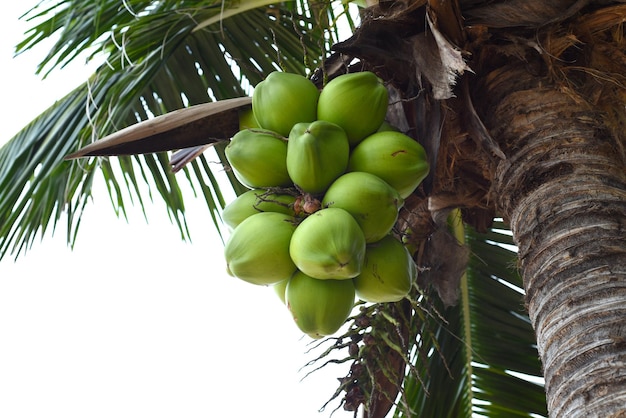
134,322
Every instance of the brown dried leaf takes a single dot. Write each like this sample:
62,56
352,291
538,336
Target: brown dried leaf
445,261
438,60
184,128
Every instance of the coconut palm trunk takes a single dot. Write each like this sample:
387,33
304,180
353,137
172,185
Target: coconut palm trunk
563,189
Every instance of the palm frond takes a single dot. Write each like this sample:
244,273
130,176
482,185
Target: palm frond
156,59
495,371
36,186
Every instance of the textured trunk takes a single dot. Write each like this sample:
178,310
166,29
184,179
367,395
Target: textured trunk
563,190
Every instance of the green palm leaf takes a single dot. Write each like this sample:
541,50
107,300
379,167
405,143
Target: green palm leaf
36,186
158,57
494,370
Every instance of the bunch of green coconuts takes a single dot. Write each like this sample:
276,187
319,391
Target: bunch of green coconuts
327,176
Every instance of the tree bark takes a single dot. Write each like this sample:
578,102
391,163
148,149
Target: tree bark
562,187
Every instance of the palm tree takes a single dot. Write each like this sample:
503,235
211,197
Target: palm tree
520,105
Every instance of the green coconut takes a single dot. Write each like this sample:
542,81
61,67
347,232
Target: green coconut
319,307
369,199
258,158
357,102
328,244
394,157
258,249
280,289
317,153
247,119
284,99
255,201
388,272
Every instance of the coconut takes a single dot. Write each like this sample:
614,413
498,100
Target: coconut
319,307
388,272
284,99
394,157
317,153
258,249
369,199
280,289
357,102
247,119
328,244
255,201
258,158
